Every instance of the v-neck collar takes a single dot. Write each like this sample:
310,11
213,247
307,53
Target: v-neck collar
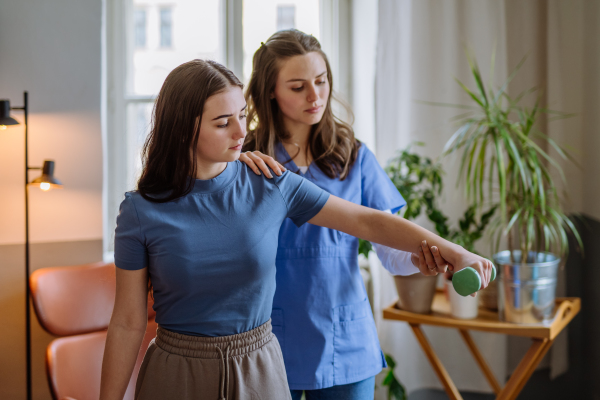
286,156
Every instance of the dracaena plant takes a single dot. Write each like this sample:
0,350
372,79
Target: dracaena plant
504,162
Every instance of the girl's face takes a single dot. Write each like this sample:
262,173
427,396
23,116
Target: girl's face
302,89
223,127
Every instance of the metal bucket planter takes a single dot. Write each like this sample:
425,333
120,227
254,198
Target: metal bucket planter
415,292
526,291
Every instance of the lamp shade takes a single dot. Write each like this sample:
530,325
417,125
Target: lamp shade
5,118
47,180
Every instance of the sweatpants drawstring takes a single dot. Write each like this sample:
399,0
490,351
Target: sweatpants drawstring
224,371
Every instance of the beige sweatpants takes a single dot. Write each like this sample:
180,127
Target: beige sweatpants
248,365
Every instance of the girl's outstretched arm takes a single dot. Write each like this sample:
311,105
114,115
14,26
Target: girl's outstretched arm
426,260
125,332
394,231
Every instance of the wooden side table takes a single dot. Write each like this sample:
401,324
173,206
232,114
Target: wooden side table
542,336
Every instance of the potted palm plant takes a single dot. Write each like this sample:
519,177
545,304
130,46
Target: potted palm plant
503,162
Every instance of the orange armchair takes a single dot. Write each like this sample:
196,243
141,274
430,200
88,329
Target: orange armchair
77,303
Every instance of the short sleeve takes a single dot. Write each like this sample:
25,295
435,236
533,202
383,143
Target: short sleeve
130,250
378,191
303,198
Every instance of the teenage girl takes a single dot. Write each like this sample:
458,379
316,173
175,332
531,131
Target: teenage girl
321,314
202,228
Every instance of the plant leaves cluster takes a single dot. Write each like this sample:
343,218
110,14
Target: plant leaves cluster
420,181
503,162
396,390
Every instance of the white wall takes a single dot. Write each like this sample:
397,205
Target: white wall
53,50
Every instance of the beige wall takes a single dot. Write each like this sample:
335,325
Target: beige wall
53,50
573,85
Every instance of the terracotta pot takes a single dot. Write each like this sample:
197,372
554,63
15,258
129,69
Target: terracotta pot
415,292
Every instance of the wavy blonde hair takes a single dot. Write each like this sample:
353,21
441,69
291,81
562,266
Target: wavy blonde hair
331,142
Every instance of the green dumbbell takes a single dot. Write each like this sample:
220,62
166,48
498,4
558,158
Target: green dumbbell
467,281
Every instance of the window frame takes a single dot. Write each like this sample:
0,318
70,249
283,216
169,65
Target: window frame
335,39
145,33
161,9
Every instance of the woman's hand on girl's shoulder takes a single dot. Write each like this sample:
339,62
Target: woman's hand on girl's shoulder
258,161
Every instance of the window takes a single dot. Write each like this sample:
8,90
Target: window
286,17
140,28
261,21
166,27
138,32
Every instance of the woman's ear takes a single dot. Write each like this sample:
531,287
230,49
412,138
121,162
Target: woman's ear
272,95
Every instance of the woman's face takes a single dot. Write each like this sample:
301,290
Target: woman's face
302,89
223,127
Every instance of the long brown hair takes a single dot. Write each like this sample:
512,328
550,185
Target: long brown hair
331,142
176,118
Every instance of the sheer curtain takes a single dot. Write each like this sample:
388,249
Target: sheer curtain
420,50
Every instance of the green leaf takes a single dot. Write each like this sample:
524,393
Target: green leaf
501,176
395,389
473,96
509,79
477,75
364,247
390,361
481,161
457,136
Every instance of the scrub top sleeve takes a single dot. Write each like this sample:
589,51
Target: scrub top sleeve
378,191
130,250
302,198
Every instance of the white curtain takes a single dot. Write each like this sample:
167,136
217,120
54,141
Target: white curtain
420,51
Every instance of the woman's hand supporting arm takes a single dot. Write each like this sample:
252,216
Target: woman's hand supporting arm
397,262
125,332
393,231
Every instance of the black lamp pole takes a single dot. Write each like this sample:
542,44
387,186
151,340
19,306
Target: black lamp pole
45,182
27,291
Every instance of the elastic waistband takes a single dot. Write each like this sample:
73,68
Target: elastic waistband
207,347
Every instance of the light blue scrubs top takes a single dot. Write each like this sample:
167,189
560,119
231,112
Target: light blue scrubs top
321,313
211,253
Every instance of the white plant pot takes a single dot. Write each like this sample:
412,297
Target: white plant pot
461,307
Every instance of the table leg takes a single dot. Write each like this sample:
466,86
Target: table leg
532,358
487,371
439,369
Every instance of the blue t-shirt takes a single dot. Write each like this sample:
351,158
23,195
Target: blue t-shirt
211,254
321,314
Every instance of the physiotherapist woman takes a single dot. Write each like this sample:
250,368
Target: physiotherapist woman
202,228
321,314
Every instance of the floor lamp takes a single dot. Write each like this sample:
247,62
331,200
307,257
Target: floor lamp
44,182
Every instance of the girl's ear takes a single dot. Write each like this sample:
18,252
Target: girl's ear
272,95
